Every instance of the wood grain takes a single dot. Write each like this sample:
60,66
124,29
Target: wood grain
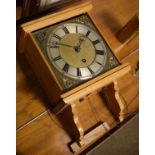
110,17
111,102
43,136
122,96
29,97
43,70
18,12
127,92
129,29
101,110
132,59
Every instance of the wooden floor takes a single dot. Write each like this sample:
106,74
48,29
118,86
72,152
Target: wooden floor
38,130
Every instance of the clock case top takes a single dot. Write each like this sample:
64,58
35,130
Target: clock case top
37,60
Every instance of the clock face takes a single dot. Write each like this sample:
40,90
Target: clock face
76,51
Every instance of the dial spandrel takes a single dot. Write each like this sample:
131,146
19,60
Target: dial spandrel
76,51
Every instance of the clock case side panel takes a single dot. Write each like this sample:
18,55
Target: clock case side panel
42,70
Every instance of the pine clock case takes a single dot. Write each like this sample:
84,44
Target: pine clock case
97,62
36,58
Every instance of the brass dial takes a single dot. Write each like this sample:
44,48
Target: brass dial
76,51
81,53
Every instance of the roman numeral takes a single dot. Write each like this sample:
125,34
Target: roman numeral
56,36
66,30
90,70
66,67
99,63
57,58
87,34
96,42
99,52
76,29
78,72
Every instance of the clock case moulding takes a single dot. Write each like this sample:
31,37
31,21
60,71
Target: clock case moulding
65,104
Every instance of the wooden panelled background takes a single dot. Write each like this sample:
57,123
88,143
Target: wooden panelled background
38,130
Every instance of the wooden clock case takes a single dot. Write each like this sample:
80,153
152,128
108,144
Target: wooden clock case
71,107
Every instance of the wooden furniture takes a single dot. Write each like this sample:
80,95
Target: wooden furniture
121,96
85,94
129,30
34,119
38,62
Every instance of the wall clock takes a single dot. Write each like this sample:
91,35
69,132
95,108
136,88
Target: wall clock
73,63
75,51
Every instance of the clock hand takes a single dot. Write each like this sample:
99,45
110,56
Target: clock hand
77,48
81,40
56,44
66,45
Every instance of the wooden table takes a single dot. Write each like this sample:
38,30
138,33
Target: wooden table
38,130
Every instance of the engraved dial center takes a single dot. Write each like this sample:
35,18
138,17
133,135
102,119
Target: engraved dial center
80,51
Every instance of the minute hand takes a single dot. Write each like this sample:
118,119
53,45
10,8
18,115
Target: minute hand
66,45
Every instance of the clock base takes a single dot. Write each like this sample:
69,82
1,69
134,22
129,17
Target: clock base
102,102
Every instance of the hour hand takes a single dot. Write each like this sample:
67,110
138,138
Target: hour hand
81,40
